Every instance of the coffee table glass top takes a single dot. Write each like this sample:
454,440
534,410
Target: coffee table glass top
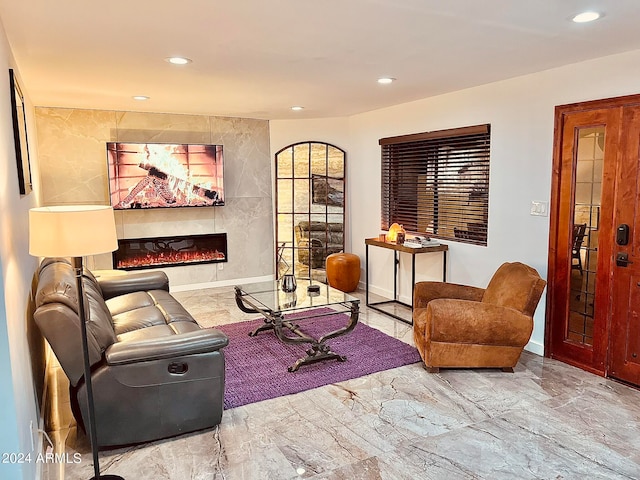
269,296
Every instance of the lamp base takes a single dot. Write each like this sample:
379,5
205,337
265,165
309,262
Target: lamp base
107,477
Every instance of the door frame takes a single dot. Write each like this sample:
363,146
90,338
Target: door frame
561,112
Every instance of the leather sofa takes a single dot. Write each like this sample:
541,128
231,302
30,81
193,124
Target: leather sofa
155,372
463,326
317,240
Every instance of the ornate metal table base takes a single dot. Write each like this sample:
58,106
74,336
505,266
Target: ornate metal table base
319,350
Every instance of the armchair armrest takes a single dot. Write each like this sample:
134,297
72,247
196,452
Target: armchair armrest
426,291
113,286
310,242
472,322
202,341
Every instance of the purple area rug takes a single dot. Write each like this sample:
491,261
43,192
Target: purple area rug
256,367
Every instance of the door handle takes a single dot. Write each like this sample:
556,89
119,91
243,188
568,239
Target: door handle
622,259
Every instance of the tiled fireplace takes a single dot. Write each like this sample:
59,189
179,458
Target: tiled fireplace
139,253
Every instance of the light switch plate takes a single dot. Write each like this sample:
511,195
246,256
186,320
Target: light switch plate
539,208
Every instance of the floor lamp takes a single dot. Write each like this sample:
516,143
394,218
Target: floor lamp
76,231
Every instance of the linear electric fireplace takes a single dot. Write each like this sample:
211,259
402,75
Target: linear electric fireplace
138,253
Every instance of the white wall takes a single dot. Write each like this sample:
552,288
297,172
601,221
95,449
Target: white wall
521,114
17,400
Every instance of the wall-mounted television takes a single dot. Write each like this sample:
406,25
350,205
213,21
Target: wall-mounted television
157,175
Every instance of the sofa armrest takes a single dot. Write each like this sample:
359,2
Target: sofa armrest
464,321
113,286
426,291
202,341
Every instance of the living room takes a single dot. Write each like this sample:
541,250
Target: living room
68,162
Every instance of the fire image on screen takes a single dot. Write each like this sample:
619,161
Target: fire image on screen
156,175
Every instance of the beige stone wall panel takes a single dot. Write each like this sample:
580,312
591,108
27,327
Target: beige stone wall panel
72,151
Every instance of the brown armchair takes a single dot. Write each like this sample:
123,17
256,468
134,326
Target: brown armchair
463,326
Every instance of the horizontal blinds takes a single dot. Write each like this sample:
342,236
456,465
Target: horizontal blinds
437,184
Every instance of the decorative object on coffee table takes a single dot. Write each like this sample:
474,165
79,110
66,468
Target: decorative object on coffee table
343,271
289,283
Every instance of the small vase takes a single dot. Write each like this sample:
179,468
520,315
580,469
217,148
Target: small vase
289,283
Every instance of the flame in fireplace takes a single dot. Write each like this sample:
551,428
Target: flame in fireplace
165,251
171,258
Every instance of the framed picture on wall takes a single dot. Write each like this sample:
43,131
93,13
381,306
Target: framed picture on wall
20,135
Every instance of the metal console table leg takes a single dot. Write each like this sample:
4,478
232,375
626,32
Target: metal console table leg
397,249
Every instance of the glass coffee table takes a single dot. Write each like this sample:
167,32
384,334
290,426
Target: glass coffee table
267,299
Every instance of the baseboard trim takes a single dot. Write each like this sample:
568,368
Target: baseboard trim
44,408
535,347
383,292
222,283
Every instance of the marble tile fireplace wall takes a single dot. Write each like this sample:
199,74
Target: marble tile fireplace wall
73,169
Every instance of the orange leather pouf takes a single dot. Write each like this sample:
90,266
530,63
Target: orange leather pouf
343,271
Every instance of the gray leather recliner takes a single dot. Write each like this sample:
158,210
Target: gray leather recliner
155,372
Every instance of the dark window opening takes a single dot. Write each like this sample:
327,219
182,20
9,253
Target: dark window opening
437,183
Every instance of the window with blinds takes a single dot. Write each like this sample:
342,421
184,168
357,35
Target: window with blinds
437,183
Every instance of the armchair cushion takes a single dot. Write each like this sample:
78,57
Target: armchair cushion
474,322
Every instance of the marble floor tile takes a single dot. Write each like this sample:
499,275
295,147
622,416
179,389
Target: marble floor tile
547,420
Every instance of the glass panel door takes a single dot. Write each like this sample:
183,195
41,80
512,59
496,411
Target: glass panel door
585,230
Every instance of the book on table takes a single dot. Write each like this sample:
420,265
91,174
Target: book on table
420,243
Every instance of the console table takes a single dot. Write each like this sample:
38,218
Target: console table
397,249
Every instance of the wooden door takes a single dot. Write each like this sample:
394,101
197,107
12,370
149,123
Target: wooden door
625,319
593,301
579,268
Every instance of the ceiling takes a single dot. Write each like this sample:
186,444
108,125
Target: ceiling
257,58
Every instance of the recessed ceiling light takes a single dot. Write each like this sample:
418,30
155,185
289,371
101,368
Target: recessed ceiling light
296,108
385,80
178,60
585,17
140,97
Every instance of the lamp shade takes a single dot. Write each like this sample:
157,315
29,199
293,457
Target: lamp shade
72,231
